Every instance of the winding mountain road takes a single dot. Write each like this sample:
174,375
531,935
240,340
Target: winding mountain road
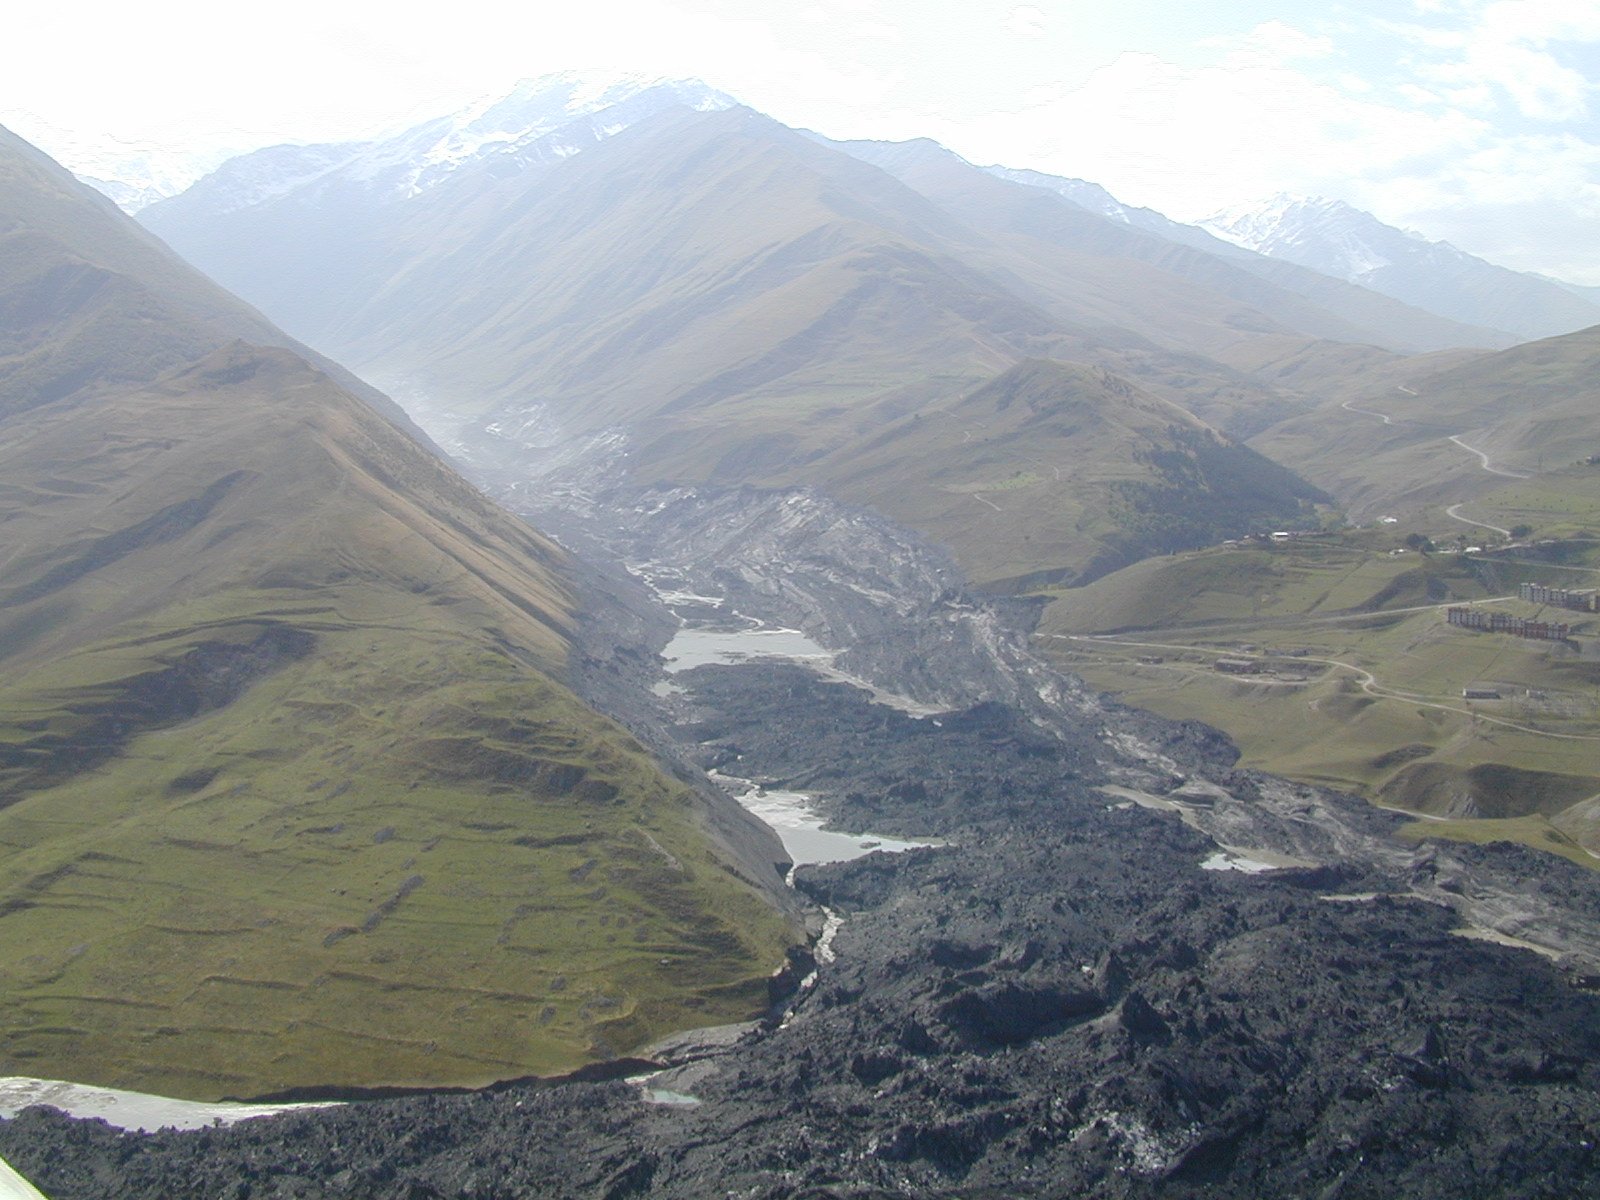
1367,412
1483,461
1454,515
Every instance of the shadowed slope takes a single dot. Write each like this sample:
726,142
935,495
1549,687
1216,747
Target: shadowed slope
1055,472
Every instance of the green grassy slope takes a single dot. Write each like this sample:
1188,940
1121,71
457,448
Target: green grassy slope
291,791
1364,678
1064,471
1530,409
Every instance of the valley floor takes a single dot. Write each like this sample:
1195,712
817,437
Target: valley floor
1060,999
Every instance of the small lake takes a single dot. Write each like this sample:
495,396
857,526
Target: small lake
690,648
133,1111
799,826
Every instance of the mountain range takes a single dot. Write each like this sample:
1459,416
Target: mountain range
700,294
721,299
289,758
1342,241
305,782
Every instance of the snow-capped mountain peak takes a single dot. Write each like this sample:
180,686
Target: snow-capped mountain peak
1343,241
1314,231
540,106
132,172
538,120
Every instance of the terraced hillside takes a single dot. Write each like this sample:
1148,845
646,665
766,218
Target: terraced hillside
291,789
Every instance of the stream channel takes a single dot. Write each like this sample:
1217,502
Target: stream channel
711,633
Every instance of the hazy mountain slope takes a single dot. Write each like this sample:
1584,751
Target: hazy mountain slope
1388,322
1264,296
1529,408
68,261
1055,472
696,258
1533,405
362,225
1337,239
334,202
724,299
291,790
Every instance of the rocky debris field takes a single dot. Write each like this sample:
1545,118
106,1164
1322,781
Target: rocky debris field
1059,1001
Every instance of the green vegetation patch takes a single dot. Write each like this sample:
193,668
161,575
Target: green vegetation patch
400,859
1360,680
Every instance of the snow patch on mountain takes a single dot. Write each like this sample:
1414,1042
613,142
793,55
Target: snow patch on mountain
539,120
1340,240
131,172
1080,191
1327,235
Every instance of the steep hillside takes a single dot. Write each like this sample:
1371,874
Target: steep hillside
1438,430
712,297
1172,283
693,260
1059,473
337,204
93,298
291,789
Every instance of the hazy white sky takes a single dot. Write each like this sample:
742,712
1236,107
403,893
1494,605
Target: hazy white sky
1469,120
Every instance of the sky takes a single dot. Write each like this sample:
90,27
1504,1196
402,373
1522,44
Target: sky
1471,121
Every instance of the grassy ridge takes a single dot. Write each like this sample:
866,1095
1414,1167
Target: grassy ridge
397,861
1530,409
292,796
1064,471
291,790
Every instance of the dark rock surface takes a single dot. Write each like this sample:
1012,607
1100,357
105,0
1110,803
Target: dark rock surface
1057,1001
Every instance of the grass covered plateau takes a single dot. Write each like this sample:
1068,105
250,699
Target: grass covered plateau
1356,679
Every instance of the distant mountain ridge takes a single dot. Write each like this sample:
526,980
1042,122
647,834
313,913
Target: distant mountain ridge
707,296
542,119
1287,297
1341,240
721,299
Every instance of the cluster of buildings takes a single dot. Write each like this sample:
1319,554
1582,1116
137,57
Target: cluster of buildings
1239,666
1498,622
1538,593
